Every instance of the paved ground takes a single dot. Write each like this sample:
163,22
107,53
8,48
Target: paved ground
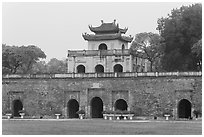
100,127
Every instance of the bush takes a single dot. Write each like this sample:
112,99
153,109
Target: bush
118,112
108,112
197,113
21,111
80,112
168,112
8,111
57,112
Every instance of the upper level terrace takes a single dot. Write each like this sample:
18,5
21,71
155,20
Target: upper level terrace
114,52
76,53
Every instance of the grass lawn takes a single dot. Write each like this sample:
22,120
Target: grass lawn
100,127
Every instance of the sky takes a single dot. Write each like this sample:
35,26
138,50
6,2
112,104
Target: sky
58,27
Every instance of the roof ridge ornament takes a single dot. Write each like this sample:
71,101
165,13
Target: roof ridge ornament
114,21
102,21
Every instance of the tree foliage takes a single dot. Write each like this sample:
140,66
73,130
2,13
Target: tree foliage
150,45
197,52
181,30
20,59
53,66
56,66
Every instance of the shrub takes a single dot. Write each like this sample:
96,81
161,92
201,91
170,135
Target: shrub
80,112
8,111
197,113
167,112
57,111
21,111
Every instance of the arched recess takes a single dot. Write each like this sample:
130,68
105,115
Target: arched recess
121,104
184,109
72,107
80,69
118,68
96,107
17,106
102,46
123,46
99,69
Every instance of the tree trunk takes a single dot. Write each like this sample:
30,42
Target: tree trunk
151,62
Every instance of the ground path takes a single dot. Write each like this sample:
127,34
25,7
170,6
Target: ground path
99,127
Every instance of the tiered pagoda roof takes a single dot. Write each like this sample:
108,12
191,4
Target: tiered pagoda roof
107,31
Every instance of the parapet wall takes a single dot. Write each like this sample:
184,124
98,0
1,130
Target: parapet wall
105,75
145,93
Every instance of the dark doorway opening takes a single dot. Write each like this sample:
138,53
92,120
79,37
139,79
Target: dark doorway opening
118,68
102,46
80,69
99,69
73,107
184,109
96,107
123,47
17,106
121,104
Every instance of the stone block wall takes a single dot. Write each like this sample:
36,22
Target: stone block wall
146,96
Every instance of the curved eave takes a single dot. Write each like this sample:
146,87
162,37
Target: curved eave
108,37
110,29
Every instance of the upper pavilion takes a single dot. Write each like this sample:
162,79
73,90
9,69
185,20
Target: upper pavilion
107,31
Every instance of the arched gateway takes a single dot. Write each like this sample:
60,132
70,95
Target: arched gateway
184,109
17,106
96,107
121,104
99,69
72,107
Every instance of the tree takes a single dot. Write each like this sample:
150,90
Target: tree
40,67
11,59
150,44
30,55
20,59
56,66
197,52
180,30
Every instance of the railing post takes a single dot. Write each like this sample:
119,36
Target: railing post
96,75
156,73
72,75
115,74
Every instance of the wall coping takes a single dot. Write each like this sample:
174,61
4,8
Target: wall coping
102,75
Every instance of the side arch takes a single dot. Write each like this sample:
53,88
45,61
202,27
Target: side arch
118,68
102,46
184,108
80,69
72,107
96,107
99,69
17,106
121,104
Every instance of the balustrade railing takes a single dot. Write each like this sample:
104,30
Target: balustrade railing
103,75
98,52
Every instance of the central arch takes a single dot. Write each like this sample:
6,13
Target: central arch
73,107
80,69
96,107
118,68
17,106
102,46
184,109
121,104
99,69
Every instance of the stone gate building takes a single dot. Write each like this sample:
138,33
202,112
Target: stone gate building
147,94
103,78
108,51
